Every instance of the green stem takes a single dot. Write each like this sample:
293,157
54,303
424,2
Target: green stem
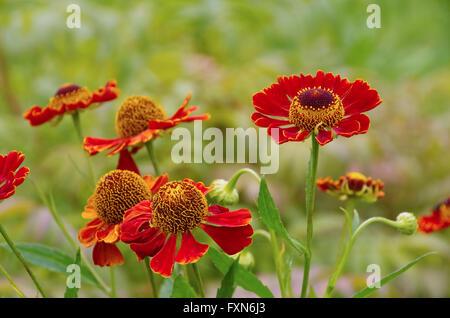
195,279
277,256
151,277
233,180
151,153
21,259
77,124
13,285
52,208
310,197
348,248
112,281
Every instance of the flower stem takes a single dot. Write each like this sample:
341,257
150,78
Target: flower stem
77,124
310,197
151,154
233,180
337,273
13,285
151,276
112,282
52,208
21,259
277,256
195,279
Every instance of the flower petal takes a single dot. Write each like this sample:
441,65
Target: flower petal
149,243
105,254
164,260
190,250
231,239
199,185
88,234
126,162
236,218
324,137
360,98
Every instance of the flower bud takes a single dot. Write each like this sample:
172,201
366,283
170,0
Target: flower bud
407,222
219,194
246,259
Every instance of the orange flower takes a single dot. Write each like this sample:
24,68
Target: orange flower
68,99
176,209
115,193
138,120
10,177
438,220
353,184
298,105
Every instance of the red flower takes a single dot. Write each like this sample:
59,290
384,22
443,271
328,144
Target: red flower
115,193
68,99
138,120
326,103
9,177
438,220
353,185
177,208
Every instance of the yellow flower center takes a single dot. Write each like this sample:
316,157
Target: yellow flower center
70,94
118,191
178,207
316,107
135,113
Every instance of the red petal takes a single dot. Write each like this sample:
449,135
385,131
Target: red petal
199,185
95,145
231,239
324,137
126,162
107,93
263,121
105,254
190,250
164,260
360,98
236,218
88,234
135,220
269,105
217,209
149,243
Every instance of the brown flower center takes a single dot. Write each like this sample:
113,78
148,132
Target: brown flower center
135,113
316,107
70,94
178,207
118,191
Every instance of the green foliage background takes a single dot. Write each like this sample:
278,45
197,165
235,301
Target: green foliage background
223,52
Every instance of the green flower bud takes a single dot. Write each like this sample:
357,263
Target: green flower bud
246,259
407,223
220,194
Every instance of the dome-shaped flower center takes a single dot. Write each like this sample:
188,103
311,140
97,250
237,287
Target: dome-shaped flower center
178,207
118,191
135,113
314,107
66,89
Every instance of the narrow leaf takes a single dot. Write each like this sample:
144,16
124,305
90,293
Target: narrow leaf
243,277
50,258
271,217
181,288
228,286
367,291
72,292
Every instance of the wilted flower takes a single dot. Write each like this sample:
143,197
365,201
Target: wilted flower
176,209
353,185
68,99
323,103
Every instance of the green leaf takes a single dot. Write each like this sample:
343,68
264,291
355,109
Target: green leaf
243,277
181,288
228,285
312,293
50,258
271,217
367,291
73,292
355,221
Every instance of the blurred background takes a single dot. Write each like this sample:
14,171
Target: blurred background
223,52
